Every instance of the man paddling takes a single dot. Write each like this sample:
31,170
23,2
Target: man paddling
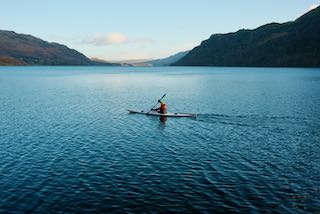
162,109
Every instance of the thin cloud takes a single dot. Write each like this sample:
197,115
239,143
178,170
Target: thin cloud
101,40
113,39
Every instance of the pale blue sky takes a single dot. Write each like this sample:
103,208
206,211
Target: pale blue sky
135,29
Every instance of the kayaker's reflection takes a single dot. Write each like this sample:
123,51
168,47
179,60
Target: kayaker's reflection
162,123
163,119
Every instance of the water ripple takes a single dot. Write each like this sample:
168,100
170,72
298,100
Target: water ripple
68,144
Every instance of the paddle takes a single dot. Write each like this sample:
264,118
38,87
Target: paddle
157,103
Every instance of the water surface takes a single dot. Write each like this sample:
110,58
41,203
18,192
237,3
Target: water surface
68,144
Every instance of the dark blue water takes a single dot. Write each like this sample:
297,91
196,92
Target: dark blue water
68,144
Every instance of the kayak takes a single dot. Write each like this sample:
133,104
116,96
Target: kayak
169,114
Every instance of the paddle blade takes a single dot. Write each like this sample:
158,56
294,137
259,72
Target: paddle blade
163,96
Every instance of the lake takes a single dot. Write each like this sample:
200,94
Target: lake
68,144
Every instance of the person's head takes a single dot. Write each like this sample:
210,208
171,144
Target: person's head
162,103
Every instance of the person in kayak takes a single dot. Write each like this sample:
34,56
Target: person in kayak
162,109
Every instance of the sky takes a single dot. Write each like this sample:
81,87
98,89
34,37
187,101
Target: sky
141,29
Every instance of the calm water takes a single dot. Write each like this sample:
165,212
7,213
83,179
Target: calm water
68,145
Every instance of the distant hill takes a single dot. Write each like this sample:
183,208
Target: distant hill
96,61
21,49
169,60
293,44
133,62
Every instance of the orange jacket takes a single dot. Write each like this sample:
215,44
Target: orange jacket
163,108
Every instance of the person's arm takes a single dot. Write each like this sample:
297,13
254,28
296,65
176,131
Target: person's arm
156,109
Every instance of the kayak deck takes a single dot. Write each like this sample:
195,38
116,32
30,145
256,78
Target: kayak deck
169,114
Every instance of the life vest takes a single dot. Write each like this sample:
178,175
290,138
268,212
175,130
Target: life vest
163,108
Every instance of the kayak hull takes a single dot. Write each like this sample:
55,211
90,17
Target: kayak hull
169,114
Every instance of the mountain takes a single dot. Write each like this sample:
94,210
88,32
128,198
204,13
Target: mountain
21,49
97,61
169,60
292,44
133,62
